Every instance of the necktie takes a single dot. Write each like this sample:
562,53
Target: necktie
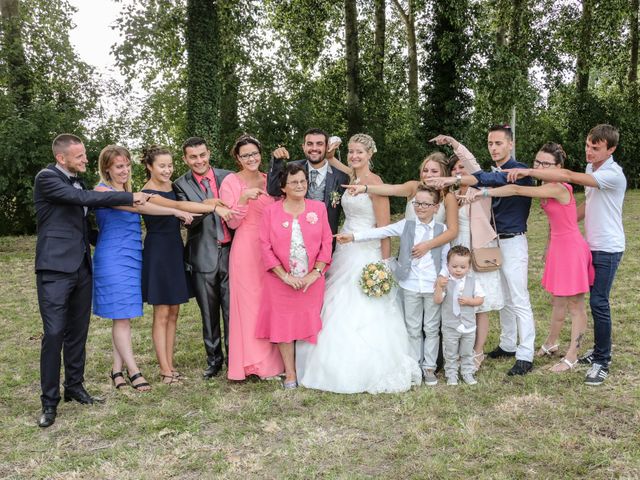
313,174
456,296
75,181
209,194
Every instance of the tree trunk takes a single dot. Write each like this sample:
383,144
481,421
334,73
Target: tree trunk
13,53
412,50
633,65
354,116
203,63
379,39
584,50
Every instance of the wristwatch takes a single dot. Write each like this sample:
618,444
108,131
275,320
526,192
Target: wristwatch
319,270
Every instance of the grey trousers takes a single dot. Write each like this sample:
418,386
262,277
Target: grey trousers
422,319
457,345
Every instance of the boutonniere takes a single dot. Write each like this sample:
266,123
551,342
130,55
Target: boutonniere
285,224
335,198
312,217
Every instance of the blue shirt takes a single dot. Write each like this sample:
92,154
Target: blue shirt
511,212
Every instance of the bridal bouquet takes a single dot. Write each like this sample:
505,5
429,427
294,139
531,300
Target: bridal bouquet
376,279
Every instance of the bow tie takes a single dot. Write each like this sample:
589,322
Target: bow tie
496,169
74,179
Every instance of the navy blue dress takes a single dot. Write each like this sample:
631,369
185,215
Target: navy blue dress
164,279
117,265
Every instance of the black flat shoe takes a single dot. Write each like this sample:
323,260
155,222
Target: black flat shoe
521,367
141,385
82,396
114,375
48,417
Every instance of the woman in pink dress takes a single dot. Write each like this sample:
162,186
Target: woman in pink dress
244,193
296,242
568,272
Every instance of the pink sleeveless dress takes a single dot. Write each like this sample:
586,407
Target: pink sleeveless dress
568,270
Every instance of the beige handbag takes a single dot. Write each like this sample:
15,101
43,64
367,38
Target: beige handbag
485,259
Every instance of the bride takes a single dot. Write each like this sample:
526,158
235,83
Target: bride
363,345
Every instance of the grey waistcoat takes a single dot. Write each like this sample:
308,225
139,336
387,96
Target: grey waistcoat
316,192
406,244
467,313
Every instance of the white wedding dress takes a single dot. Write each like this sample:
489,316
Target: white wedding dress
363,345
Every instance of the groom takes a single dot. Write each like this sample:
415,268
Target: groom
324,182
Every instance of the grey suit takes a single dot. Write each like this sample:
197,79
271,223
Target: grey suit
333,181
207,261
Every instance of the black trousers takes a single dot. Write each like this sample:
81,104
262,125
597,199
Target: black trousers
212,294
65,307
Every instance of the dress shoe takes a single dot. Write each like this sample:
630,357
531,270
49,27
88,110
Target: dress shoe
211,371
521,367
81,395
500,353
48,417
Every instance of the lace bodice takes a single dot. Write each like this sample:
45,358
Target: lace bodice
358,212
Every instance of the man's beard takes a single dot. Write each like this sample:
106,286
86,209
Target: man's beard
315,162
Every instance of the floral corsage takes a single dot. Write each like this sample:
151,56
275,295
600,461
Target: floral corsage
312,217
335,198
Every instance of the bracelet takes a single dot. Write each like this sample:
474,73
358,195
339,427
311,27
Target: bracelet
366,188
458,181
319,270
485,192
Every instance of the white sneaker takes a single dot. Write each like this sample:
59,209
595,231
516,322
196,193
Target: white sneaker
452,380
469,379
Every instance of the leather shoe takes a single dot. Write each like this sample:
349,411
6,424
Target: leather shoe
82,396
211,371
500,353
48,417
521,367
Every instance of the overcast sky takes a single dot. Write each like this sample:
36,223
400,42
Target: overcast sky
93,36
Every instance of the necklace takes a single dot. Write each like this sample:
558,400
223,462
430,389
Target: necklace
357,180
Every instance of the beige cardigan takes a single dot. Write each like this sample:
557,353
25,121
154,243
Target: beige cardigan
480,212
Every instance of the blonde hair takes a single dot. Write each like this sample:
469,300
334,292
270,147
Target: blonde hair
106,159
365,140
439,158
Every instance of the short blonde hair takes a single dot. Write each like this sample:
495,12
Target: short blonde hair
106,159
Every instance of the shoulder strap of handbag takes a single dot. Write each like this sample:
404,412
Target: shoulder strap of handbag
493,219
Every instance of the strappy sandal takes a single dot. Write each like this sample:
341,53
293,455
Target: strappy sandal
564,362
170,379
478,358
139,386
547,351
114,375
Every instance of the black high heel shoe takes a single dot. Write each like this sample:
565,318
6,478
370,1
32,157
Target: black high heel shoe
114,375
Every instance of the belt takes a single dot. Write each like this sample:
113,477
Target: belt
509,235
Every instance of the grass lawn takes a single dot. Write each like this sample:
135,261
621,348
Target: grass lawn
544,425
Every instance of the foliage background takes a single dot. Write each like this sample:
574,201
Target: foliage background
406,71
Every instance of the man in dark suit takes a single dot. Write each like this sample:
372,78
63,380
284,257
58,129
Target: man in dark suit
325,182
63,270
207,250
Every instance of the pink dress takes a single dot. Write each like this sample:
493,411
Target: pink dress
287,314
568,270
248,355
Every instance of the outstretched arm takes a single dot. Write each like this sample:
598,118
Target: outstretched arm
382,213
548,190
554,175
407,189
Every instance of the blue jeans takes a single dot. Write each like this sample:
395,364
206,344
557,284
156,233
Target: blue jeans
605,265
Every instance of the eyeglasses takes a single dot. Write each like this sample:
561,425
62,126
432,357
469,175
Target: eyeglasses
295,183
423,204
543,164
247,156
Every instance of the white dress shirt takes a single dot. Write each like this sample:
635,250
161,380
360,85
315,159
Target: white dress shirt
422,275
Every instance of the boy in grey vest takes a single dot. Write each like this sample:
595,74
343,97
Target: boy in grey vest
416,276
458,293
